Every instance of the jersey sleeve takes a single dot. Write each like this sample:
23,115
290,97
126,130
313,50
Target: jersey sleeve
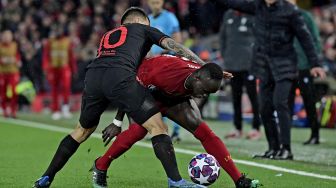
155,36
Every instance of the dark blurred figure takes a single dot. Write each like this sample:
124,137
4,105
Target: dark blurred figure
237,38
277,22
305,81
204,16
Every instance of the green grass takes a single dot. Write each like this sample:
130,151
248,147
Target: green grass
26,152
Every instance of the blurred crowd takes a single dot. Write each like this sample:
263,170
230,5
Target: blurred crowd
33,21
326,21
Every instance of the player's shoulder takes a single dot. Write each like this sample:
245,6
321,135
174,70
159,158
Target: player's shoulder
290,8
165,58
180,59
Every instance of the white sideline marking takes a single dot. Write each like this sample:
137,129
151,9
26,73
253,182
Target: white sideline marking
178,150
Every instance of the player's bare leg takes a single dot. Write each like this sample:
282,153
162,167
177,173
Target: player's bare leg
80,134
66,149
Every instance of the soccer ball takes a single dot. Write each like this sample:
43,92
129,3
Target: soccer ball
204,169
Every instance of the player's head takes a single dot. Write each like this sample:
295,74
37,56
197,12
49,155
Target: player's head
206,80
155,5
135,15
7,36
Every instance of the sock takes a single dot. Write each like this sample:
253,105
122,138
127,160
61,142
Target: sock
65,150
123,142
214,146
164,151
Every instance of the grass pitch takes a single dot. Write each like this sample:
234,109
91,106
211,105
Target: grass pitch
26,152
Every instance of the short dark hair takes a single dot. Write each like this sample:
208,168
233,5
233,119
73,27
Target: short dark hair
133,11
213,70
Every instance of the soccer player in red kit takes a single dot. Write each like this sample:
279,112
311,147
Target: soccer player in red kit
59,63
173,82
10,62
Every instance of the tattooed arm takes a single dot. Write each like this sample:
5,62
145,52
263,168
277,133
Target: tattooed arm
170,44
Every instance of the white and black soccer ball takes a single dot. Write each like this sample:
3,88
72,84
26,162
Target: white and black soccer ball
204,169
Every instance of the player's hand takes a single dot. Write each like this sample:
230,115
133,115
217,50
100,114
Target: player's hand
110,132
227,75
318,72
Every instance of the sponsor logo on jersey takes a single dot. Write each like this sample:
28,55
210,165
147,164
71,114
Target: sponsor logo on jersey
193,66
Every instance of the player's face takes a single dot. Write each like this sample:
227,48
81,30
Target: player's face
203,87
155,5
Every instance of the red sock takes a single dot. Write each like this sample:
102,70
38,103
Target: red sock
214,146
123,142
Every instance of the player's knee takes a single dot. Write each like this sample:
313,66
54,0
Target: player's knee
159,129
155,125
80,134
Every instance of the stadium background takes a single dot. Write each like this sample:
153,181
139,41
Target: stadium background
85,21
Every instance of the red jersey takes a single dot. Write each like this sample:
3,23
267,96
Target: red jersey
166,73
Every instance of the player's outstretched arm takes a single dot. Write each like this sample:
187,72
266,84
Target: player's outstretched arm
114,128
170,44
